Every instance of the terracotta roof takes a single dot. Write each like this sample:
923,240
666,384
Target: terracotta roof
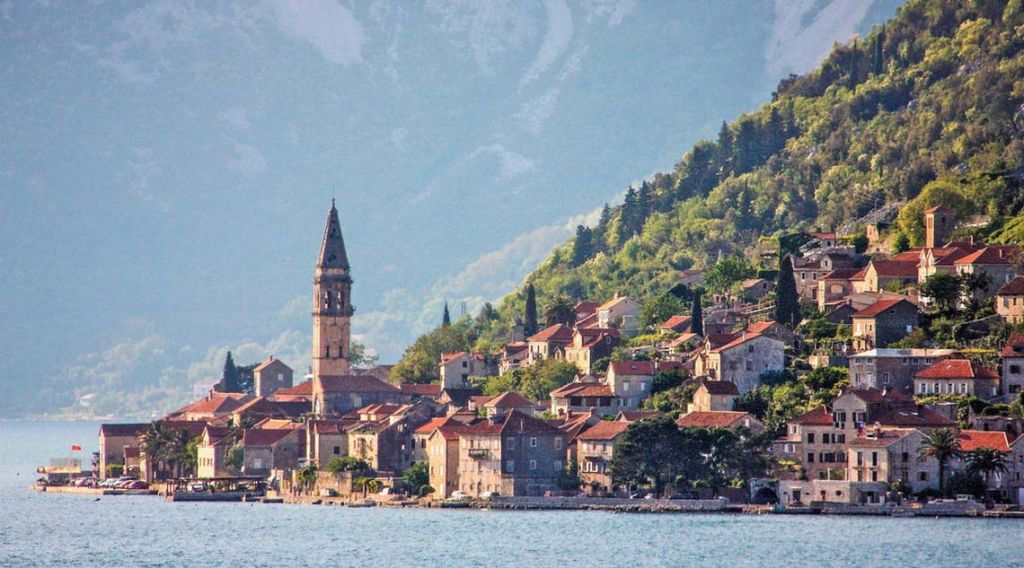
557,332
216,403
957,369
354,383
510,399
590,390
445,357
913,417
420,390
604,430
997,254
330,426
277,424
613,302
912,255
632,367
741,339
431,425
760,327
683,338
267,363
263,437
1014,287
879,307
719,339
819,416
902,269
301,389
860,274
678,321
123,430
841,274
584,308
712,419
831,235
636,415
720,387
515,422
1014,346
971,440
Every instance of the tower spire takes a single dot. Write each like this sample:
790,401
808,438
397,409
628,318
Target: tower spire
332,250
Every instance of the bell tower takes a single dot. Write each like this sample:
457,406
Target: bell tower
332,302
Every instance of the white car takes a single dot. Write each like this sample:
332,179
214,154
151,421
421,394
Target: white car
459,496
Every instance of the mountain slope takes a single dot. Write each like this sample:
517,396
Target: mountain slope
927,107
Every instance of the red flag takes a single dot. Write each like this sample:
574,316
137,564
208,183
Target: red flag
76,448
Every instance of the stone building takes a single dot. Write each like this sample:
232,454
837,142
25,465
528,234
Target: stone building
939,222
891,455
957,376
115,439
595,448
456,368
894,368
332,302
334,396
1010,301
442,453
1013,364
714,396
884,322
514,455
743,360
271,376
265,450
630,381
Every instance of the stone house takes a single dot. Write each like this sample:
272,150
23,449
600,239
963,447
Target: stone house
548,343
212,452
884,322
835,286
630,381
742,361
773,329
456,369
993,261
326,440
890,455
150,469
595,448
513,355
266,450
1015,472
1010,301
442,453
590,344
809,270
513,455
714,396
213,406
753,289
894,368
957,376
271,376
728,419
1013,364
507,402
676,324
114,440
335,395
383,437
621,313
890,275
1001,483
577,397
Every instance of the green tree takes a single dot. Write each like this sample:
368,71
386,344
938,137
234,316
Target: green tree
535,382
348,463
229,379
787,301
569,477
660,308
582,245
941,445
446,318
561,310
697,315
943,289
860,243
420,360
530,315
650,452
234,459
728,271
901,243
416,477
986,461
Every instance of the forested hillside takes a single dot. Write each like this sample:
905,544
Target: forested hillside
925,109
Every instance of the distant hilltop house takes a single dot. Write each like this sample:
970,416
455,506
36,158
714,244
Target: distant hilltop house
272,375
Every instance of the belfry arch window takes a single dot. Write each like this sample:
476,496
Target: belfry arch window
341,298
327,300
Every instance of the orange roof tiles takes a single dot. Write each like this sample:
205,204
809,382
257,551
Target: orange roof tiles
879,307
1014,287
604,430
957,369
632,367
711,419
557,332
971,440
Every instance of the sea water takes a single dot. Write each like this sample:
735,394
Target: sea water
40,529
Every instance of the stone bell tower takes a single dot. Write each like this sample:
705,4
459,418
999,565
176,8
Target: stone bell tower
332,303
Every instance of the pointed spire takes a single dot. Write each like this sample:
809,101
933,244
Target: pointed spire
332,250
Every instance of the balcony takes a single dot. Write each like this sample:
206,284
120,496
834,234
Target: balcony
477,453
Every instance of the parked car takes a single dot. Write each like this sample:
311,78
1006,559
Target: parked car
137,484
490,495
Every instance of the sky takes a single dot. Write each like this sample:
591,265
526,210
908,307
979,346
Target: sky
166,167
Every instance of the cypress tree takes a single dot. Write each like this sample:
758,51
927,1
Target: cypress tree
229,378
697,315
530,320
787,304
446,318
630,215
879,63
582,246
600,235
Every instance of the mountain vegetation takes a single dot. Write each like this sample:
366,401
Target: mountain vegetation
926,109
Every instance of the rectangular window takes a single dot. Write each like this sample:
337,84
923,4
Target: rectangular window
533,465
337,450
810,457
558,443
810,437
533,441
874,460
510,443
510,466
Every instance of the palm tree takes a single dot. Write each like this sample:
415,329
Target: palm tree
986,461
560,310
941,445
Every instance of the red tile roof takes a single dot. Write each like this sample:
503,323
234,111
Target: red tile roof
971,440
957,369
721,388
557,332
604,430
740,340
1014,346
1014,287
217,403
301,389
420,390
997,254
760,327
879,307
123,430
431,425
677,323
263,437
265,364
584,308
819,416
712,419
902,269
913,255
354,383
633,367
636,415
510,399
514,422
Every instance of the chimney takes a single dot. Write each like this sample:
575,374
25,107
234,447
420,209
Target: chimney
878,430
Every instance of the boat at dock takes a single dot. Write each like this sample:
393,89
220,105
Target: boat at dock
251,488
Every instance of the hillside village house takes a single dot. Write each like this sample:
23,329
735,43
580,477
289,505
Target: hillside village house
456,369
630,381
335,395
505,403
1013,364
957,376
884,322
595,449
549,343
1010,301
211,454
891,455
999,483
676,324
590,344
115,440
895,368
512,455
265,450
743,360
584,396
995,262
214,406
714,396
808,270
442,450
271,376
326,440
835,286
727,419
621,313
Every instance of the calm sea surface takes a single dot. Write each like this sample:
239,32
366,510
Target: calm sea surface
37,529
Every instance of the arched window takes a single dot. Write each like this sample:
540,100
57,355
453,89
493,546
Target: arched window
328,354
327,300
341,299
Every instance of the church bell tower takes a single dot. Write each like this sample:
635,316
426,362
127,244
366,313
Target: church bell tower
332,303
